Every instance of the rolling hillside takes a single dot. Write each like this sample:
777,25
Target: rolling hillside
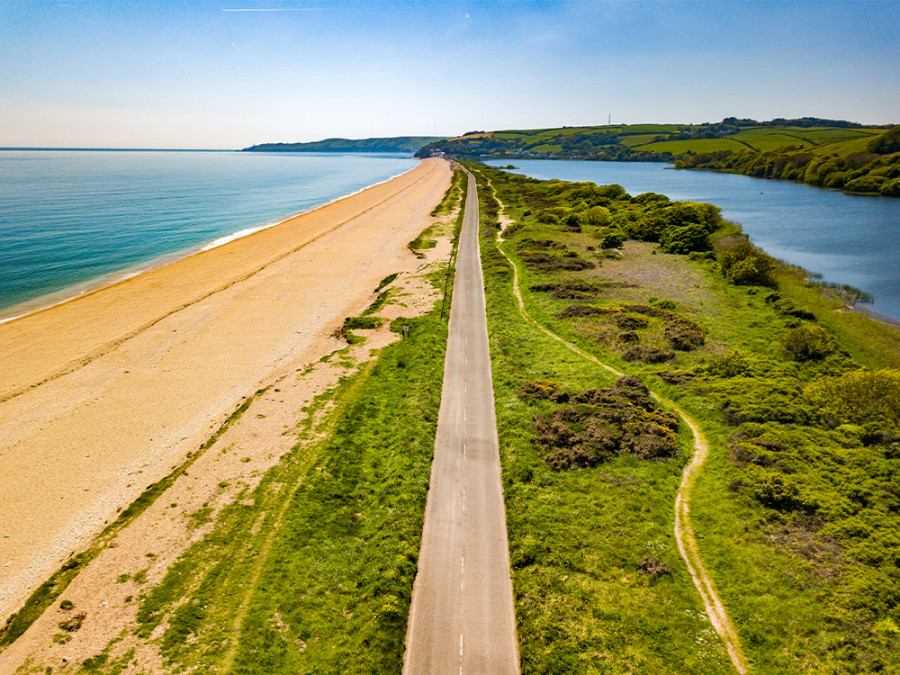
827,153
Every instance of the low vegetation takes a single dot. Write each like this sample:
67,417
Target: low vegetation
797,508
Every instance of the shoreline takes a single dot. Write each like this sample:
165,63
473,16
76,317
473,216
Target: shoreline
104,394
85,288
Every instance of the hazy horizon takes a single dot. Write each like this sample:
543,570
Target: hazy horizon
206,75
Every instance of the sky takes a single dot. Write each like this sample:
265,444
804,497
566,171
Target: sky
229,74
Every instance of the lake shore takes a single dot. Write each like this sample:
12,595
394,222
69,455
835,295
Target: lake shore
103,395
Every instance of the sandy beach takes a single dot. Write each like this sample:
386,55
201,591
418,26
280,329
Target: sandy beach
103,395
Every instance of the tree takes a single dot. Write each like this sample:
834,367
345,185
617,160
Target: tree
886,143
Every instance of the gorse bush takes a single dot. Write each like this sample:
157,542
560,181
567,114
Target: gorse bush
595,425
858,397
747,265
807,343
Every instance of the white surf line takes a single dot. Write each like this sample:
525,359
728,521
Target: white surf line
104,281
684,531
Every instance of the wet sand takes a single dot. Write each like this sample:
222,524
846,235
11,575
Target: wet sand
103,395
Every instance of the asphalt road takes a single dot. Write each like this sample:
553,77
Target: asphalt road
462,618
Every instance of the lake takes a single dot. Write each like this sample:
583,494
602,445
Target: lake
848,239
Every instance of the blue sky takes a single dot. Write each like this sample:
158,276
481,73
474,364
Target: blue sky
97,73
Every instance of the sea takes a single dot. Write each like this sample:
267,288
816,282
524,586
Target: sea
847,239
71,221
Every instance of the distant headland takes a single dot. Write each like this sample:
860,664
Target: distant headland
410,144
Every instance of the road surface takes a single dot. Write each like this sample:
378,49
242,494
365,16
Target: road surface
462,618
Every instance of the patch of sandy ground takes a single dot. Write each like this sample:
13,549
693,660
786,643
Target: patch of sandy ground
124,384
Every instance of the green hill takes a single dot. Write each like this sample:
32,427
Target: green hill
827,153
395,144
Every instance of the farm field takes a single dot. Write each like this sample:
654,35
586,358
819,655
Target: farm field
825,153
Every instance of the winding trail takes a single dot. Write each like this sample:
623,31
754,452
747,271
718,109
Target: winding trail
684,531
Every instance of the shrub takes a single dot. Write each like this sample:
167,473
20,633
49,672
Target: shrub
869,184
685,239
684,336
747,265
891,188
733,364
650,198
787,307
569,261
886,143
598,424
572,223
573,311
778,493
597,215
647,353
575,289
807,343
74,623
627,322
653,568
859,396
664,304
614,191
612,240
542,390
677,377
362,323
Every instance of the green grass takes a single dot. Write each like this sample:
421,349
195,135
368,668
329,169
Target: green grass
576,537
319,569
771,140
806,595
640,139
694,145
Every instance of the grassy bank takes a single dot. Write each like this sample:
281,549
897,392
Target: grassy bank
794,511
311,570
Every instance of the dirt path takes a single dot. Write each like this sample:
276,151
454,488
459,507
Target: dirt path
684,531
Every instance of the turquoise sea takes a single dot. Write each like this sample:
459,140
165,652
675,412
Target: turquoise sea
72,220
847,239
